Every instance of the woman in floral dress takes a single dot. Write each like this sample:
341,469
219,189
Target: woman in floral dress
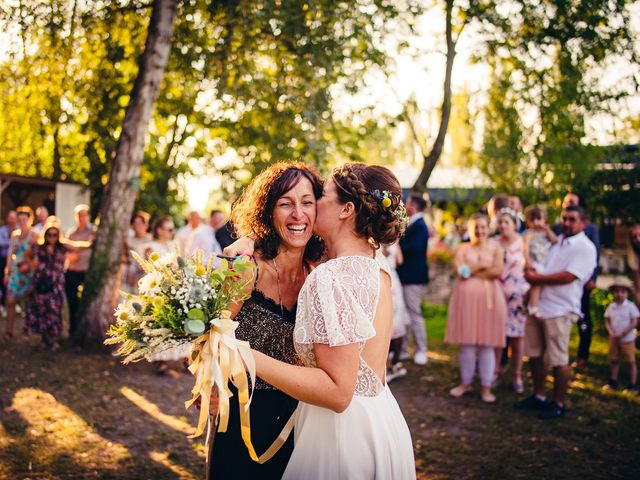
45,298
515,287
17,273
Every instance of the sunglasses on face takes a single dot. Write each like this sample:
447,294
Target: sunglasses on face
569,219
51,234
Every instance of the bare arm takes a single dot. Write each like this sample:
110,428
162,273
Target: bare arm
495,269
559,278
75,245
242,246
330,384
399,256
552,237
630,328
607,324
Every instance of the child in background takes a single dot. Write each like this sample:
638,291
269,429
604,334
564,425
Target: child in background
537,240
621,318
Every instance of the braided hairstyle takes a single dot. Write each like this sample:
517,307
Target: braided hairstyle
361,184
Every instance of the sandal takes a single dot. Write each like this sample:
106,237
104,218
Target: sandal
517,385
487,396
460,390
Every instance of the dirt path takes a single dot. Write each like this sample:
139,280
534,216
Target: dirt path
73,416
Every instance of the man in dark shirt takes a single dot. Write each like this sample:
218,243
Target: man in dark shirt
585,327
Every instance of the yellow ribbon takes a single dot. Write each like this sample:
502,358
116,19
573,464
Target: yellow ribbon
217,358
488,293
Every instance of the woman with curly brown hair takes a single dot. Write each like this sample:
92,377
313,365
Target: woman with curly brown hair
348,424
278,209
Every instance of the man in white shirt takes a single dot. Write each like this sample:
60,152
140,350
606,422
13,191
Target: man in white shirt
41,218
196,235
568,267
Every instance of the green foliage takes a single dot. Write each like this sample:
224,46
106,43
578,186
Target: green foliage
546,59
600,300
250,80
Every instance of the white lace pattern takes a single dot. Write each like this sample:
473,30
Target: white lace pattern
337,306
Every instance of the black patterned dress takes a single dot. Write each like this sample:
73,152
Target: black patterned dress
269,329
45,298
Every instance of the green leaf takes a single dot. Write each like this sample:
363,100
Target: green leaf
196,314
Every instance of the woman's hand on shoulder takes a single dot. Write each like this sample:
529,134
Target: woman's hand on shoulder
243,246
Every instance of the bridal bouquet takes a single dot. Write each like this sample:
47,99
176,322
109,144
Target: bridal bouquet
184,300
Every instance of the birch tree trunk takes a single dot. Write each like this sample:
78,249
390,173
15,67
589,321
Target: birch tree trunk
429,161
103,278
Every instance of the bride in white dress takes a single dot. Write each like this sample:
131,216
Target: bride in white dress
348,424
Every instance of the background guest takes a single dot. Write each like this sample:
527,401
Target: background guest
621,319
568,268
137,242
45,297
515,287
216,219
17,273
537,241
633,258
77,262
395,368
195,235
414,276
477,308
5,240
585,327
41,219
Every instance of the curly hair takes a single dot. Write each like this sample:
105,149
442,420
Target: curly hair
252,214
368,187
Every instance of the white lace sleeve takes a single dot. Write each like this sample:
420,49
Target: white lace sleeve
337,304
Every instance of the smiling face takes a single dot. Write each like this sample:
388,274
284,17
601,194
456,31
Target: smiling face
24,221
506,225
165,232
51,236
294,215
478,229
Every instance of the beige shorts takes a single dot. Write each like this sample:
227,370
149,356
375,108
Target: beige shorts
626,351
549,338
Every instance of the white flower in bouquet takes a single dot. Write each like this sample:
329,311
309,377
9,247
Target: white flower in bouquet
186,301
150,284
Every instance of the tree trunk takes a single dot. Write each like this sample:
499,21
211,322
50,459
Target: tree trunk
429,161
102,283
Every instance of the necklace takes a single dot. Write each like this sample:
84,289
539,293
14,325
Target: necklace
295,282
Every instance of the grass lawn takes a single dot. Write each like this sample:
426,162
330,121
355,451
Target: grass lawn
69,415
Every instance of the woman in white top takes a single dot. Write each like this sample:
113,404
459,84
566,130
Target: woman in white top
348,424
162,232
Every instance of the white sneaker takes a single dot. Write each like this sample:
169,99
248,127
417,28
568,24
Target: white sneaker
396,371
420,358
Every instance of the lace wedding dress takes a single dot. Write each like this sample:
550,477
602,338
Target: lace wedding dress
370,439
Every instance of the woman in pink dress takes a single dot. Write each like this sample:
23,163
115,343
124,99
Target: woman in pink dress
477,309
